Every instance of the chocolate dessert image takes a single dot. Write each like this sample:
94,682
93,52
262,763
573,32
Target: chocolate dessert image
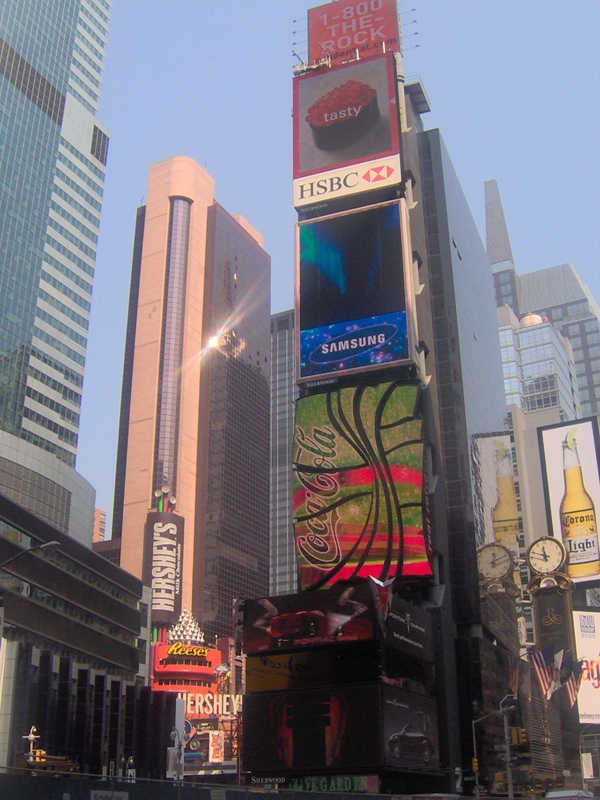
343,115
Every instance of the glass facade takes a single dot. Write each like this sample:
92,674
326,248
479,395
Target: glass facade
283,573
51,183
237,477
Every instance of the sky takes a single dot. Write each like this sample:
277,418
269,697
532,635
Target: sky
513,85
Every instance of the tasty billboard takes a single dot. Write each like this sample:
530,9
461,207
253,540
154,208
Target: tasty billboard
587,641
569,456
358,485
353,298
345,131
163,564
338,30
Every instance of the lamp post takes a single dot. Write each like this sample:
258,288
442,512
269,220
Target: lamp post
504,711
45,546
176,737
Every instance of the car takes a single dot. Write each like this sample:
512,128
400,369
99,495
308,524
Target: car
412,745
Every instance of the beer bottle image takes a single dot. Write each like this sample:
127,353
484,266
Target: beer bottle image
505,516
578,515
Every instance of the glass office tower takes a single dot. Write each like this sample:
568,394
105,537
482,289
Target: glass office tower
53,155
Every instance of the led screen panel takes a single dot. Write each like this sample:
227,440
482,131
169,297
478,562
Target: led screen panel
338,31
352,293
569,456
587,642
345,131
410,736
293,621
358,485
311,730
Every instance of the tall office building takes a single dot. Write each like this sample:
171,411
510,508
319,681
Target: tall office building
52,165
557,293
195,401
283,572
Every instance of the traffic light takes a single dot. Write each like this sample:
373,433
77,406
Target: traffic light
522,735
475,765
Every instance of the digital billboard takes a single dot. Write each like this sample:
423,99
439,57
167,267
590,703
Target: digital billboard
351,293
587,642
569,456
408,629
163,564
345,131
338,30
339,613
358,485
410,736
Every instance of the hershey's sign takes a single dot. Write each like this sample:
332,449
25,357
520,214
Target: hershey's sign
163,563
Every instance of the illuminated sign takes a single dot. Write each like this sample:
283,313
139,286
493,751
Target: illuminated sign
223,705
339,30
587,640
358,485
353,298
163,563
180,649
345,131
569,455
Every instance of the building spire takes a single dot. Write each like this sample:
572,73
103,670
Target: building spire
497,240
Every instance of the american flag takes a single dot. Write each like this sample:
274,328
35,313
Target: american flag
574,682
542,662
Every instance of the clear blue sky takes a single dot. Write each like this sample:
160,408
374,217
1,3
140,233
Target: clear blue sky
513,85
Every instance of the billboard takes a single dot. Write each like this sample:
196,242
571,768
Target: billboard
163,564
408,629
338,31
410,737
339,613
587,642
358,485
345,131
569,456
311,730
334,665
353,296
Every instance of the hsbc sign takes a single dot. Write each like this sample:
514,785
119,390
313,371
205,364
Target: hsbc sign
347,180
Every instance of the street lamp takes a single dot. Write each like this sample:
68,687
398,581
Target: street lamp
176,737
504,711
45,546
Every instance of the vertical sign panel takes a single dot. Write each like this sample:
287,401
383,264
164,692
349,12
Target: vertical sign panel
587,641
163,564
358,485
569,454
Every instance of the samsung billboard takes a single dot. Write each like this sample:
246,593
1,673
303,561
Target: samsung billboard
354,304
345,131
569,456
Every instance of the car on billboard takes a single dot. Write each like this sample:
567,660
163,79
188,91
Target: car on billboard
410,743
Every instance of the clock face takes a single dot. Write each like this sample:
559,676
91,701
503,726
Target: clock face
494,561
546,555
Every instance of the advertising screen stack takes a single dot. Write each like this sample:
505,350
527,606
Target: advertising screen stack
340,677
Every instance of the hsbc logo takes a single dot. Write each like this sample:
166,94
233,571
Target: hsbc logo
328,185
347,181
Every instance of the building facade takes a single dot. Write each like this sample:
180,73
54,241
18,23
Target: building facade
283,572
556,293
52,168
194,420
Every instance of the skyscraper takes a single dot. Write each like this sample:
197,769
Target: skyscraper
557,293
283,572
52,165
195,402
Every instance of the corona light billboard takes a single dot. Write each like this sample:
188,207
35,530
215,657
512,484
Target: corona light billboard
345,131
337,31
569,455
358,485
354,304
163,564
